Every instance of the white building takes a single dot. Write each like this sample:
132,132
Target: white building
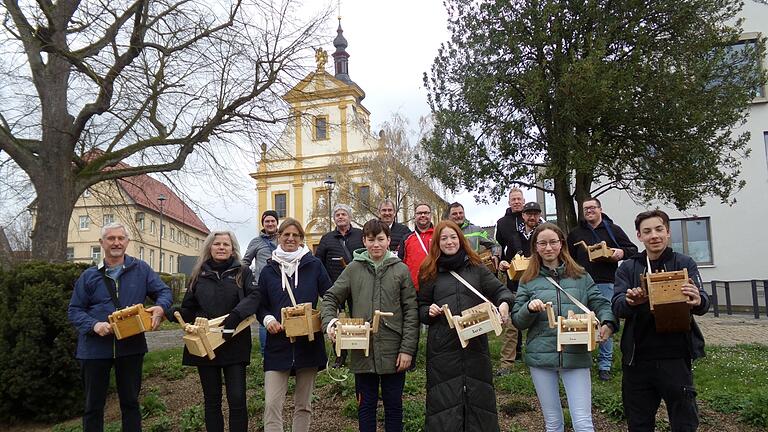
726,241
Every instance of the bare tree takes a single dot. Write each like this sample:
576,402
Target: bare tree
156,84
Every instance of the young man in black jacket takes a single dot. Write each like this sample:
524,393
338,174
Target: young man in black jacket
657,365
593,228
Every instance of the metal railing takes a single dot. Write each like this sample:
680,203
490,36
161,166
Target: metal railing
726,285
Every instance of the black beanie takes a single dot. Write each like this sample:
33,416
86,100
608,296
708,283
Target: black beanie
269,213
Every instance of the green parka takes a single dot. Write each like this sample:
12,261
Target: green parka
541,342
386,287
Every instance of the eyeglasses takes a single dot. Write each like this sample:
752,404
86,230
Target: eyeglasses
553,243
590,208
423,212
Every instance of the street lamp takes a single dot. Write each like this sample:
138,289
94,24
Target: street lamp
161,198
329,184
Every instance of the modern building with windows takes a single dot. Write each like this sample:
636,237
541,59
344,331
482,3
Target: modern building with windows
327,146
726,241
136,202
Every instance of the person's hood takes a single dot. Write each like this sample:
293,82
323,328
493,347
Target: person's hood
511,213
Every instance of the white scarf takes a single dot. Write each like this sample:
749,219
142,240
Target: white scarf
289,264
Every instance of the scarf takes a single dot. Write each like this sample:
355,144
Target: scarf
220,266
452,262
289,264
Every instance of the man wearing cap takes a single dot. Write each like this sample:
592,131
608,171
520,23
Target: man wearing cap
398,232
336,247
593,228
475,235
259,250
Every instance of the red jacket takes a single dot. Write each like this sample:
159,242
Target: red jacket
412,252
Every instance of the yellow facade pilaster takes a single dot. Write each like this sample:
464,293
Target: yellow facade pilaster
298,128
261,190
298,198
343,113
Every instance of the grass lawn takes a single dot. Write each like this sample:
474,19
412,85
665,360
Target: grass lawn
732,384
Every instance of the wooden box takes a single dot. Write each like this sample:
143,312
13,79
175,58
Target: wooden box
517,267
355,333
204,336
130,321
300,320
475,321
597,252
576,329
487,259
667,301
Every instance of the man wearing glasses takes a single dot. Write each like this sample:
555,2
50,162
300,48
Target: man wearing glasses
416,246
593,228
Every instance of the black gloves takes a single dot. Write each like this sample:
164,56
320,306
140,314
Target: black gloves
229,324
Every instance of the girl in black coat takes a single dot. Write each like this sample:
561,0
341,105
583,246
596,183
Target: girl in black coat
460,393
219,286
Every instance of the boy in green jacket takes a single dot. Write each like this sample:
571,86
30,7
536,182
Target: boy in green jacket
376,279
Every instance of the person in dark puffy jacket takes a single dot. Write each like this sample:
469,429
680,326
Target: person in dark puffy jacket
460,393
658,364
554,277
118,282
220,285
292,271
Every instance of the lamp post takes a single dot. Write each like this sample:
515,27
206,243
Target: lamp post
329,183
161,198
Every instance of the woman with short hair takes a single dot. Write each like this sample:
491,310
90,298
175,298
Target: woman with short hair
220,285
292,268
554,277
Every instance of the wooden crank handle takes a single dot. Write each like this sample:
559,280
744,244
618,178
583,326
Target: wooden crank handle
179,318
386,314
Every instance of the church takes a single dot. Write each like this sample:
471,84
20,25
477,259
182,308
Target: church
327,155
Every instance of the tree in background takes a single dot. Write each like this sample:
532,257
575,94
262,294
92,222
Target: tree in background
594,95
156,84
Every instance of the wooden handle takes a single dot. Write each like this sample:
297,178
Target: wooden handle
179,319
551,315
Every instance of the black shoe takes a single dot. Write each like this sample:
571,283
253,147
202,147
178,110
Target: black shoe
604,375
502,372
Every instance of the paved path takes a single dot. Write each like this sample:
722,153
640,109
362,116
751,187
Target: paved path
724,330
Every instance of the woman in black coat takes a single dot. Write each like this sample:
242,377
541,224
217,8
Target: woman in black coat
219,286
460,393
292,267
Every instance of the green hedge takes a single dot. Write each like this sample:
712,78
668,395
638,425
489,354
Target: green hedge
39,376
177,282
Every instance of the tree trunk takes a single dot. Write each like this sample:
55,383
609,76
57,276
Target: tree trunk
55,202
566,212
581,190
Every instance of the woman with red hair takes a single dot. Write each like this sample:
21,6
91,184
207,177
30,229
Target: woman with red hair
460,393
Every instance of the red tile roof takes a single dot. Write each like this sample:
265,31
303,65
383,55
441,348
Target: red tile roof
144,190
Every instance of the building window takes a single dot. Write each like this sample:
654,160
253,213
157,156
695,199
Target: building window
281,205
96,253
173,234
739,53
141,253
108,219
170,263
140,221
162,230
70,253
692,237
152,258
152,227
85,222
320,128
765,139
162,259
364,194
198,243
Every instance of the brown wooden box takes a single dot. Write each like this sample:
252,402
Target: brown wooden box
598,251
130,321
517,267
667,301
300,320
204,336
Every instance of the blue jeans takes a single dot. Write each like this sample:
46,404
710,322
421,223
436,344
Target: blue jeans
262,338
367,389
605,355
578,389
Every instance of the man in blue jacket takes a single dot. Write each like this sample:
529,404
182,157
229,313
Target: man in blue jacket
657,363
119,281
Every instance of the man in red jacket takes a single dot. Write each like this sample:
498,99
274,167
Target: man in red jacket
416,245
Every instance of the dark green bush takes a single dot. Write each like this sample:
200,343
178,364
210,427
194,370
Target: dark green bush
755,410
39,376
177,283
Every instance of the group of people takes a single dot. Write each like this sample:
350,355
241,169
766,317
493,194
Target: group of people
411,274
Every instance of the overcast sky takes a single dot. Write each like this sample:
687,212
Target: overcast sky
391,45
